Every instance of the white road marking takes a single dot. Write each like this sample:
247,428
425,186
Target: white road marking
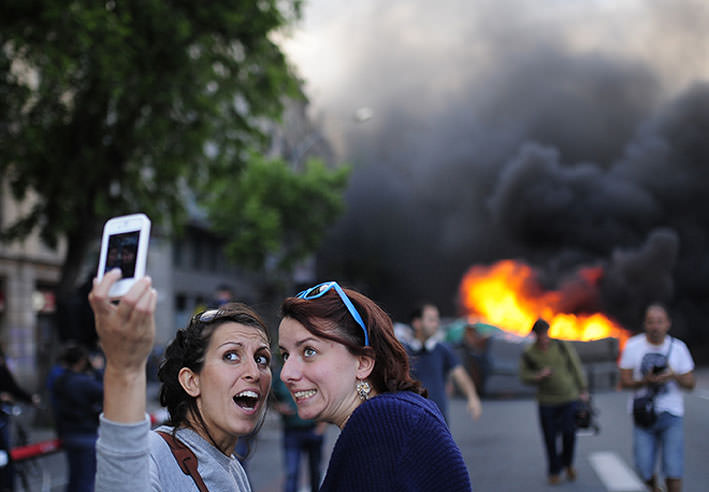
614,473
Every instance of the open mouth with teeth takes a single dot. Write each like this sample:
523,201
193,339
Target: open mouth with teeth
303,395
247,400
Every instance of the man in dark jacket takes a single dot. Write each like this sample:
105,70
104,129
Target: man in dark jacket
78,395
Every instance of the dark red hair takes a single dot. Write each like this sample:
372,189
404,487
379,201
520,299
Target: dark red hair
328,317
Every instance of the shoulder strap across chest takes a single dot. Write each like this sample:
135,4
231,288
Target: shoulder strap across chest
185,458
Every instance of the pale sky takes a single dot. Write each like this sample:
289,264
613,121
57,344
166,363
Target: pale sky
354,54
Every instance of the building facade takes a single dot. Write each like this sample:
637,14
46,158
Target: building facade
29,271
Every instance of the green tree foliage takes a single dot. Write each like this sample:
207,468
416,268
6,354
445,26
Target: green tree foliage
117,106
270,211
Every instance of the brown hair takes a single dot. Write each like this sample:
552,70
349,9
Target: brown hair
327,317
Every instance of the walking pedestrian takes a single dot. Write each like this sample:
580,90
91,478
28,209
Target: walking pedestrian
78,396
554,367
215,377
654,363
343,365
433,361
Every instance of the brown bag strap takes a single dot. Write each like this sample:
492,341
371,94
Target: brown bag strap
185,458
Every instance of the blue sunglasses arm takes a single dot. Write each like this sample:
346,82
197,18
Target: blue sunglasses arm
353,311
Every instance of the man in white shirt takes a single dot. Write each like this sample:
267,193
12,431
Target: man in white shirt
655,363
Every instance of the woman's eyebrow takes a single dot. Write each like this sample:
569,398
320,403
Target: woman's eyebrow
301,342
230,342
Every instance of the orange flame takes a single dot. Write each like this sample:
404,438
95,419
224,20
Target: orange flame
508,296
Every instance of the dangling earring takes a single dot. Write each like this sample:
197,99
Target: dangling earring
363,389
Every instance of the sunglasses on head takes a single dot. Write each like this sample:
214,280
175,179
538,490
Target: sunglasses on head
321,289
206,316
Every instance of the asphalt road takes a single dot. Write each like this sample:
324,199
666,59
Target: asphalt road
503,449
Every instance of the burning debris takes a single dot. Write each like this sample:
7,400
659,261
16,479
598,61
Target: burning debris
508,295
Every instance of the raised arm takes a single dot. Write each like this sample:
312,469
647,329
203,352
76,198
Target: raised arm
126,331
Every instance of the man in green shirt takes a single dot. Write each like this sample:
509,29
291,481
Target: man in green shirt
554,367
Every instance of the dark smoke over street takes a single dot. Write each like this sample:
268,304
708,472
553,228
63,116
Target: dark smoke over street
566,136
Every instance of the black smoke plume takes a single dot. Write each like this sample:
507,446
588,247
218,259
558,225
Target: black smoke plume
524,146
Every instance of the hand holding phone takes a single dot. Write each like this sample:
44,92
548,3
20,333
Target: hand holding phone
659,369
124,245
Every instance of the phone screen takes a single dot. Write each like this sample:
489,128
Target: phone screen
122,253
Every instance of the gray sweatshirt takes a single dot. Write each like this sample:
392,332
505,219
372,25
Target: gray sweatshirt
132,458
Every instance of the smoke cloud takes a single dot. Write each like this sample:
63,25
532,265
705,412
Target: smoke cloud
563,134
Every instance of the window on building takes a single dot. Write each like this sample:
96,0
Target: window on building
197,252
180,302
178,252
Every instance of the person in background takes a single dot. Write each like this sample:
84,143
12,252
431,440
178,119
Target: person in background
656,362
554,367
432,361
216,378
299,437
222,295
58,368
10,392
474,346
342,364
77,396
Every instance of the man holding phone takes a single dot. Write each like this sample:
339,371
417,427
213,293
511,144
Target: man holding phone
653,362
554,367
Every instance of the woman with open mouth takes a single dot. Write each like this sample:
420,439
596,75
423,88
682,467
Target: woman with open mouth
342,364
216,376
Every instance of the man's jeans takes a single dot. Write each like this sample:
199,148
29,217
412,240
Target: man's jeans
81,456
666,432
295,442
555,420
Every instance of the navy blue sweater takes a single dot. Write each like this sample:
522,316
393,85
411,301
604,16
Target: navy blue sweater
396,441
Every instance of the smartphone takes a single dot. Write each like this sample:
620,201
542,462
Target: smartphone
658,369
124,245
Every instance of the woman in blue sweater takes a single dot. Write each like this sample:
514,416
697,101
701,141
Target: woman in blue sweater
343,365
